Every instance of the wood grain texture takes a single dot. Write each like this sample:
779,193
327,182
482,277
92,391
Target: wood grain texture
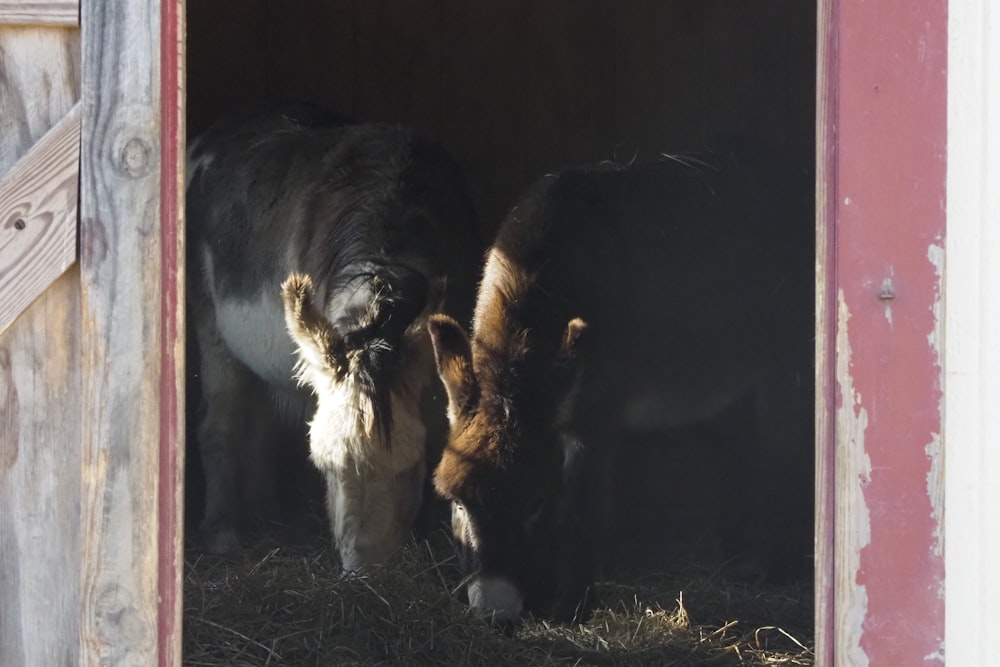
39,83
826,323
891,142
38,207
172,326
40,480
40,12
39,387
121,282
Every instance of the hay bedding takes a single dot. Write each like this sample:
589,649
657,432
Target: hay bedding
289,605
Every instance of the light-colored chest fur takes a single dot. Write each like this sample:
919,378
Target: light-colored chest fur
254,332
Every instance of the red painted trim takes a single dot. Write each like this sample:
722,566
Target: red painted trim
171,440
891,67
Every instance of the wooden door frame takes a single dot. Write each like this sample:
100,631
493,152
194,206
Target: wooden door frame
131,264
172,346
878,330
881,158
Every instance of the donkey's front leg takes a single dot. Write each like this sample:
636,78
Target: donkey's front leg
588,487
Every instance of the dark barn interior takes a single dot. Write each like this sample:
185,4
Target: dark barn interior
518,88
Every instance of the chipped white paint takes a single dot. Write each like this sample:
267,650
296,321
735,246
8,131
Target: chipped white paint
853,522
934,449
971,332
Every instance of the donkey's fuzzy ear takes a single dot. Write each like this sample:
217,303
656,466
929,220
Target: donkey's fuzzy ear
570,346
315,337
453,356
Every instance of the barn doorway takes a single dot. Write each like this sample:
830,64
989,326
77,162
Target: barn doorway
515,90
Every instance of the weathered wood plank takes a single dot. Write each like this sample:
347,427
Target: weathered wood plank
38,200
121,281
39,387
40,480
39,83
826,326
172,357
40,12
891,141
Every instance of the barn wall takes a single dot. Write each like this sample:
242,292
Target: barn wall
515,88
39,386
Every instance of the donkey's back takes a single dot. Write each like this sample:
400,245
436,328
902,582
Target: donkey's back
689,276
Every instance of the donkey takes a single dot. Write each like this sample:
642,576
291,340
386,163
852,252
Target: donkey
318,249
616,298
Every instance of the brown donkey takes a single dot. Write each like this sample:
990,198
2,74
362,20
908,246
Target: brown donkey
616,298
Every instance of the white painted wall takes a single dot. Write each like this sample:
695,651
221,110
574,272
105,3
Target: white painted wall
972,336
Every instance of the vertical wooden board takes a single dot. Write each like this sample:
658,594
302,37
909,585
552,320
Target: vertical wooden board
120,274
570,76
39,388
891,146
484,100
40,480
170,501
826,327
659,82
397,63
311,52
39,83
746,74
227,55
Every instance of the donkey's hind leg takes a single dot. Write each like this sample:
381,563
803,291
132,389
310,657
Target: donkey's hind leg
221,430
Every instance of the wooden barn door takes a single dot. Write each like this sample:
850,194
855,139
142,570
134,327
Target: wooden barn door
39,333
90,355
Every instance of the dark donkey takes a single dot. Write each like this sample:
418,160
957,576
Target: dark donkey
613,298
335,241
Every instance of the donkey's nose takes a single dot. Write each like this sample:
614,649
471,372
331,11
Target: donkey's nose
498,598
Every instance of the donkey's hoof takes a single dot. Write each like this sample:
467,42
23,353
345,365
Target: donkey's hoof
221,542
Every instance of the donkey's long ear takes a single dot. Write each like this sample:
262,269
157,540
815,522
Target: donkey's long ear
318,342
453,356
569,348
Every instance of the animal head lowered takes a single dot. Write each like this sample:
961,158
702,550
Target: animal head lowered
368,369
502,467
364,347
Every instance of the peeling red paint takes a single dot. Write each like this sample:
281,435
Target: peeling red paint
891,134
171,485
